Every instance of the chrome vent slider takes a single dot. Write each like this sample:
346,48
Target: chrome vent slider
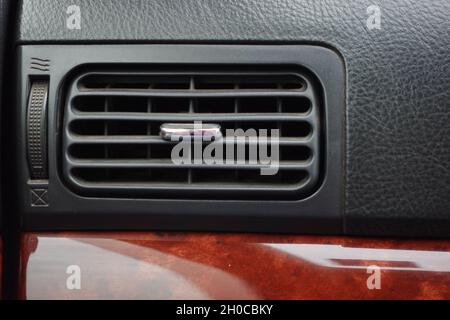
182,131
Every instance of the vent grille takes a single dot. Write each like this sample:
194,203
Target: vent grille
112,147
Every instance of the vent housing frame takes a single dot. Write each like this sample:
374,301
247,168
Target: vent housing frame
112,116
319,212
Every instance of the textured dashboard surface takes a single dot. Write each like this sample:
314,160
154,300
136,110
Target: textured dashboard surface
398,84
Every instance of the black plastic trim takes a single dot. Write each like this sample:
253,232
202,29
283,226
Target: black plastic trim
321,212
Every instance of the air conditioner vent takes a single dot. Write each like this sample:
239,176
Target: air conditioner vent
112,120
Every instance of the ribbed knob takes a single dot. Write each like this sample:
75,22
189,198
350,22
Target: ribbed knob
37,130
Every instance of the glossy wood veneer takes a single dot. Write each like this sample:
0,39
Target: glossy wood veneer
143,265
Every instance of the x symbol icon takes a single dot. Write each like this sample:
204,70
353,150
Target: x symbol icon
39,198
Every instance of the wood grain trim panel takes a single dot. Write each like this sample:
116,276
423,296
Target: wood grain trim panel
149,265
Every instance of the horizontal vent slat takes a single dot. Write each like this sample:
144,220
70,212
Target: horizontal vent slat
100,163
197,186
242,93
187,117
285,141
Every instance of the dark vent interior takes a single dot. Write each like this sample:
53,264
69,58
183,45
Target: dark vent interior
112,140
